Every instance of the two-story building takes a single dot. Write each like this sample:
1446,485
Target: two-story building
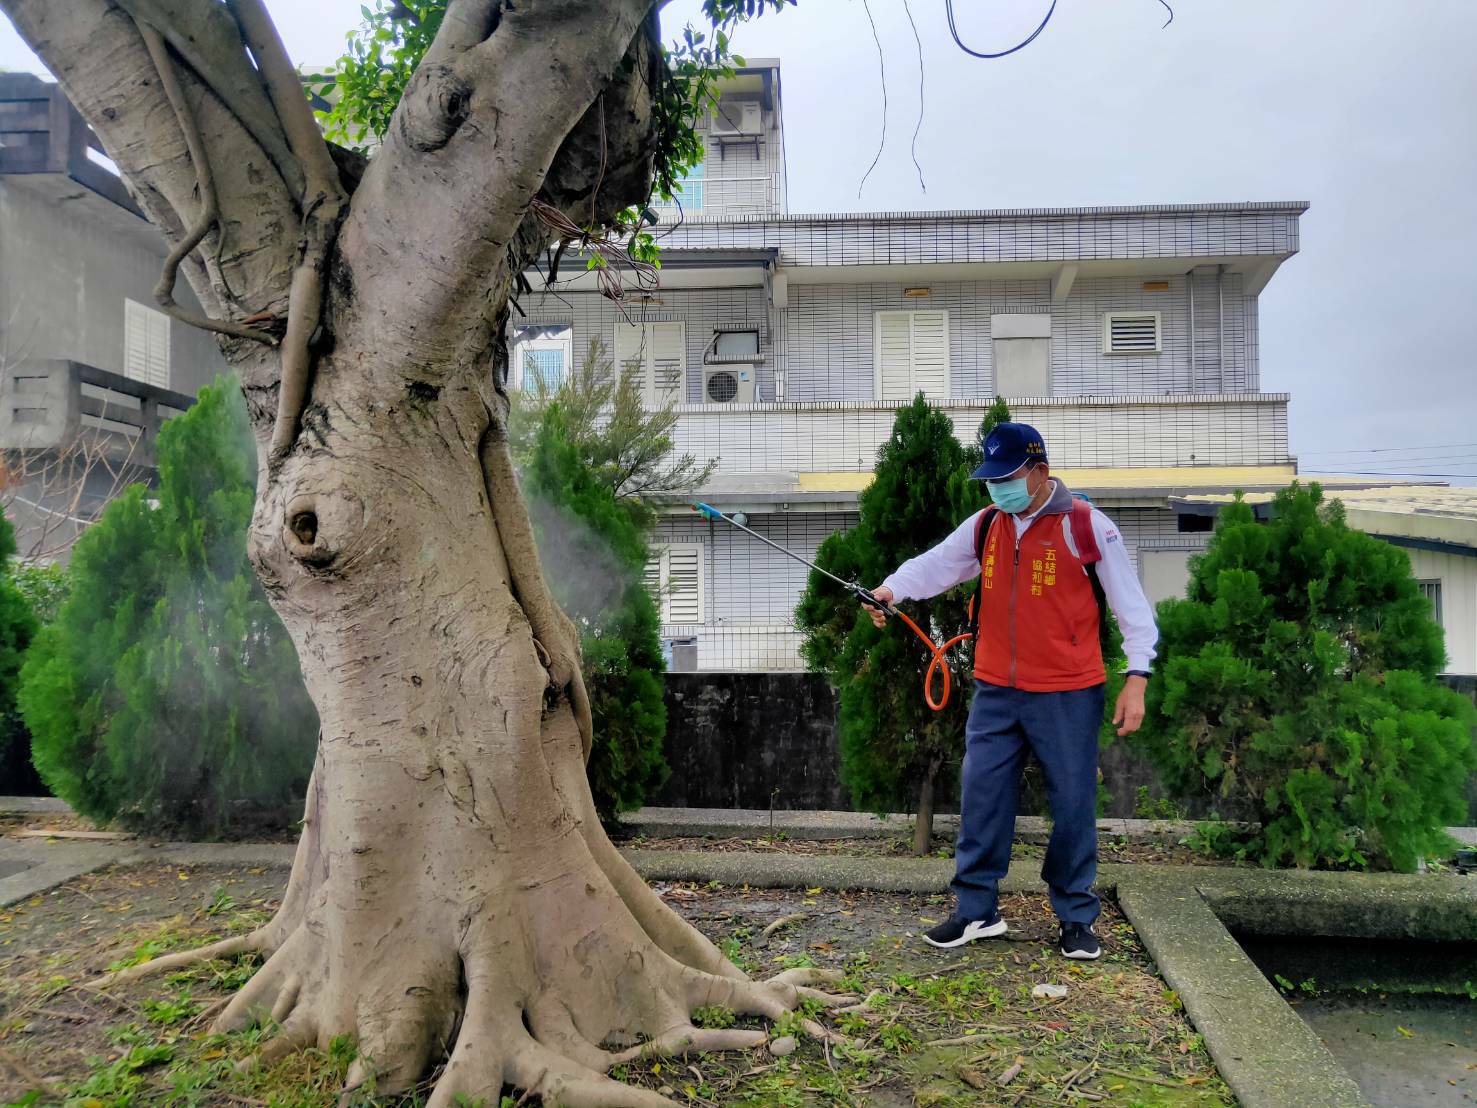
89,367
1128,335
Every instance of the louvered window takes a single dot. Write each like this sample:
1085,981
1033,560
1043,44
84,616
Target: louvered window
657,354
674,577
145,344
1131,333
911,353
1431,590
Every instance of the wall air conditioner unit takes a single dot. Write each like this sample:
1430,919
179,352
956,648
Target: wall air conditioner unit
728,384
734,119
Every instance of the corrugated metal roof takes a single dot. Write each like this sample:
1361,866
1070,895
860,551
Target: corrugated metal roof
1110,211
1433,513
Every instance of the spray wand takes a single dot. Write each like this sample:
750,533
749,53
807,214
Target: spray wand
870,600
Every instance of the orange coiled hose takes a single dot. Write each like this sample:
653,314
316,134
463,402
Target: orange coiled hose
938,662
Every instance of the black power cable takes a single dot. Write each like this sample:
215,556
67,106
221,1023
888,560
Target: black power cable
954,30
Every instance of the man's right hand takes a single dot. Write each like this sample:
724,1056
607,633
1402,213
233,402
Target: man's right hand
884,594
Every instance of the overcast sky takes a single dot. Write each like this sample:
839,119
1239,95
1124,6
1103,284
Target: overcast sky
1365,108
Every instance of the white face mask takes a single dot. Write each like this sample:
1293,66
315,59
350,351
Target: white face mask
1010,496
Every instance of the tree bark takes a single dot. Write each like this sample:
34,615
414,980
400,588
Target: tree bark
923,825
453,897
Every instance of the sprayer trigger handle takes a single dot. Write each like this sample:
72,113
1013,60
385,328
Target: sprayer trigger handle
872,602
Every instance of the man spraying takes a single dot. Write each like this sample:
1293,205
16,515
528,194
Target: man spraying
1046,561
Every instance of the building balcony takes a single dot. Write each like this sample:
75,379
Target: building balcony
53,404
816,454
727,197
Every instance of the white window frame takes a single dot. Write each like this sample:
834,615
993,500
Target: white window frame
564,344
662,556
1110,317
145,344
912,315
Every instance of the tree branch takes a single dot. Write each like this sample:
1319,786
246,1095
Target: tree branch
323,204
98,53
209,210
460,199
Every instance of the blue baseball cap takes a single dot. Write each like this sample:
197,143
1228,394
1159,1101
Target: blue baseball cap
1007,447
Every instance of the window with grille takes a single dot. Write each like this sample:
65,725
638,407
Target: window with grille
674,578
145,344
657,354
1431,590
688,193
911,355
541,357
1131,333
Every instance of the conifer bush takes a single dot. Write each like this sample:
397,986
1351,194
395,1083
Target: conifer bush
896,752
1296,686
166,694
593,543
17,628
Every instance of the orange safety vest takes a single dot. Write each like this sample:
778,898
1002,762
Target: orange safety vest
1038,603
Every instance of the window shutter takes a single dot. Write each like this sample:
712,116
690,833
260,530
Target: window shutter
930,354
145,344
651,578
668,343
1131,333
684,600
912,351
894,361
629,348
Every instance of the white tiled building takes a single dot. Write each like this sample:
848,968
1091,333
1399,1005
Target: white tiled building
1128,335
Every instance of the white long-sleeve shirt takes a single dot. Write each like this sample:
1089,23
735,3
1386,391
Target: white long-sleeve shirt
953,561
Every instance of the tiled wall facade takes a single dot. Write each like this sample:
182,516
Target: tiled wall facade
740,179
892,238
591,315
752,590
821,346
828,353
1146,430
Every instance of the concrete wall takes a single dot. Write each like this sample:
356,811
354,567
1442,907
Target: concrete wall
742,740
67,263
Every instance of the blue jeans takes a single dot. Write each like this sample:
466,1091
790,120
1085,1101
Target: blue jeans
1061,729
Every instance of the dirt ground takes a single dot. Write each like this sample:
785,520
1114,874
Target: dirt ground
939,1028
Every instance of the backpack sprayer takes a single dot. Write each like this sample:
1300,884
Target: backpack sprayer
866,597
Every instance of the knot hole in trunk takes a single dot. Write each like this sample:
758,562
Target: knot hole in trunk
309,530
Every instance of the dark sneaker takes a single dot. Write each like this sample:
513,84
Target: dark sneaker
1079,942
956,931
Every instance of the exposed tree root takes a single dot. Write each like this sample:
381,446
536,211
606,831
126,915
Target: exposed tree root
226,948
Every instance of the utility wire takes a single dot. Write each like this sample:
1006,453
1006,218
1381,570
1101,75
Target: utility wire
954,31
919,127
1399,449
882,70
1389,473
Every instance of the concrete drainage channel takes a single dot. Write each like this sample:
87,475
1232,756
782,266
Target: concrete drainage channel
1418,932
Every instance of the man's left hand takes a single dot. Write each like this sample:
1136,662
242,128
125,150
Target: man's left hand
1128,713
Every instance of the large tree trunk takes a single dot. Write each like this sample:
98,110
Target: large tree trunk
453,895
